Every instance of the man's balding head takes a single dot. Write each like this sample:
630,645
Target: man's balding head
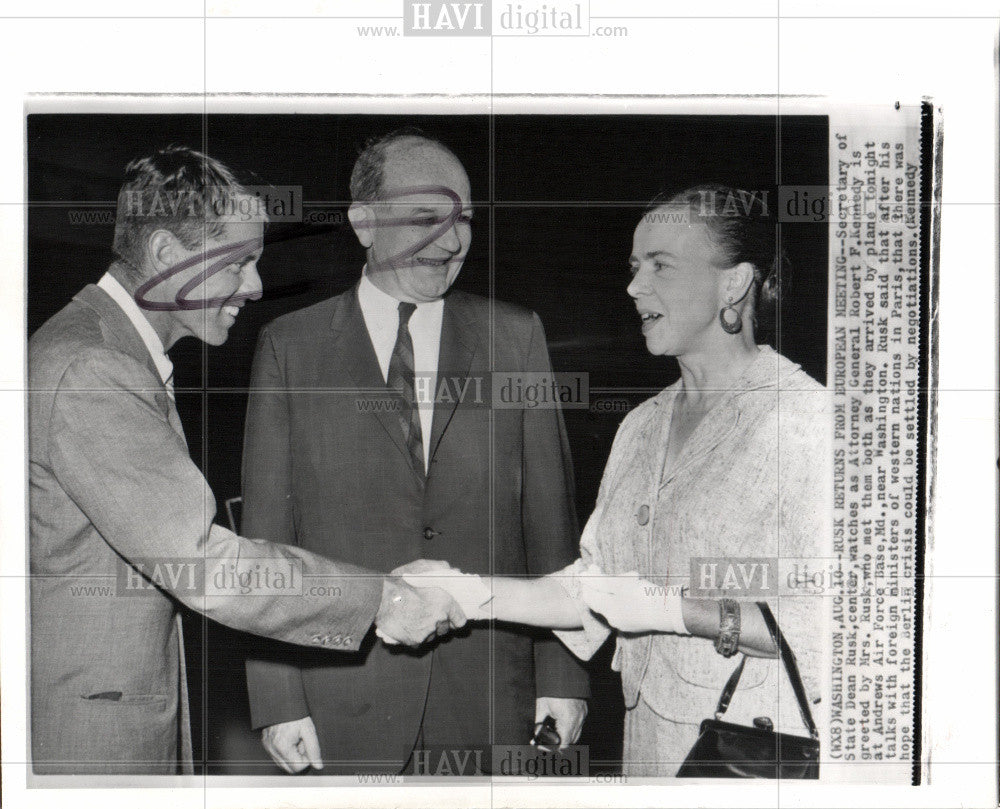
398,146
411,212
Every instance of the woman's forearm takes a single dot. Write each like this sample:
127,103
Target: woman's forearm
535,602
701,617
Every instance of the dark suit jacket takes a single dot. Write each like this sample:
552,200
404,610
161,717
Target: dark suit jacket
111,482
325,469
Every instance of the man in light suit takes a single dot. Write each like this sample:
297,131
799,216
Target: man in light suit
441,475
121,527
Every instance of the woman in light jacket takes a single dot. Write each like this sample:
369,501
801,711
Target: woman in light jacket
728,465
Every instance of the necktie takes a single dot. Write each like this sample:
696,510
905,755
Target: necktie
401,377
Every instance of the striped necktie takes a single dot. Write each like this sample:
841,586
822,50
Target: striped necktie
401,378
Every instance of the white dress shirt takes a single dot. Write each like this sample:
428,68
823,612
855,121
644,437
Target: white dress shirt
150,338
381,314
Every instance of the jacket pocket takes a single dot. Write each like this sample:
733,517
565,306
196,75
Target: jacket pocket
704,668
120,698
100,731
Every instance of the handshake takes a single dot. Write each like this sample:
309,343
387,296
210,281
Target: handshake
426,599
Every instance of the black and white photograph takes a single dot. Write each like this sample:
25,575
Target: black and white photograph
493,453
499,404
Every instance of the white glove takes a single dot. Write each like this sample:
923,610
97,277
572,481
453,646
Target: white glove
469,590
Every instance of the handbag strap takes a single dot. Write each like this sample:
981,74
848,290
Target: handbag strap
729,689
791,667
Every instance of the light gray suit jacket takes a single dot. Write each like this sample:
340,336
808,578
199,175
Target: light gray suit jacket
114,491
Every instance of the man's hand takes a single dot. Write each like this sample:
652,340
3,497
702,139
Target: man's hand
568,713
293,745
415,615
470,591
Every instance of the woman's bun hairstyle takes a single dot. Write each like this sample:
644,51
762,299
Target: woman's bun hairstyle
742,229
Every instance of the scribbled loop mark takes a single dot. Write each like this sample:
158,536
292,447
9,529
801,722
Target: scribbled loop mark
444,223
226,254
230,253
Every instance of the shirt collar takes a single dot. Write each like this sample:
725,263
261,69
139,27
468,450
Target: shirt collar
374,301
150,338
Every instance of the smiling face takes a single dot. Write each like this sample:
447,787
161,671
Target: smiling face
677,288
215,302
418,234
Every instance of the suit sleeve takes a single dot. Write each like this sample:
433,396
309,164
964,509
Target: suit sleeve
548,515
115,454
274,678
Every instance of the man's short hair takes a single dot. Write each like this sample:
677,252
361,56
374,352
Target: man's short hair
368,173
176,189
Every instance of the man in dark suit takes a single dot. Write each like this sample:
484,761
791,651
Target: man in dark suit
431,471
121,522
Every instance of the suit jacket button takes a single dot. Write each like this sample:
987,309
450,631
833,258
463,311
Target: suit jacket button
642,515
317,639
430,533
348,640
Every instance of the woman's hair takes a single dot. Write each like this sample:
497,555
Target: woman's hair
742,229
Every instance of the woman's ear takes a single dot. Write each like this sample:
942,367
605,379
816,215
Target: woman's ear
362,219
738,281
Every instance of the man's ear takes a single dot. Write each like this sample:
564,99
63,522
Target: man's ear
737,282
161,249
362,218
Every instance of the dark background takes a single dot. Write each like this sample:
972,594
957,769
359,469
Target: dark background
555,210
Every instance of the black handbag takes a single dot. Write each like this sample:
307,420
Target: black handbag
725,750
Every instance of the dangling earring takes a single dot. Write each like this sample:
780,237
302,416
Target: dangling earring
730,326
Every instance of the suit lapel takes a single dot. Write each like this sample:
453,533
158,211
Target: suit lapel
458,346
118,329
120,333
172,415
353,351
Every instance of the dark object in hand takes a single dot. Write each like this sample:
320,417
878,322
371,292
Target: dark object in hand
546,737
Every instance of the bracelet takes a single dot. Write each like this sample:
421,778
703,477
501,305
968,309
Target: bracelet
728,640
